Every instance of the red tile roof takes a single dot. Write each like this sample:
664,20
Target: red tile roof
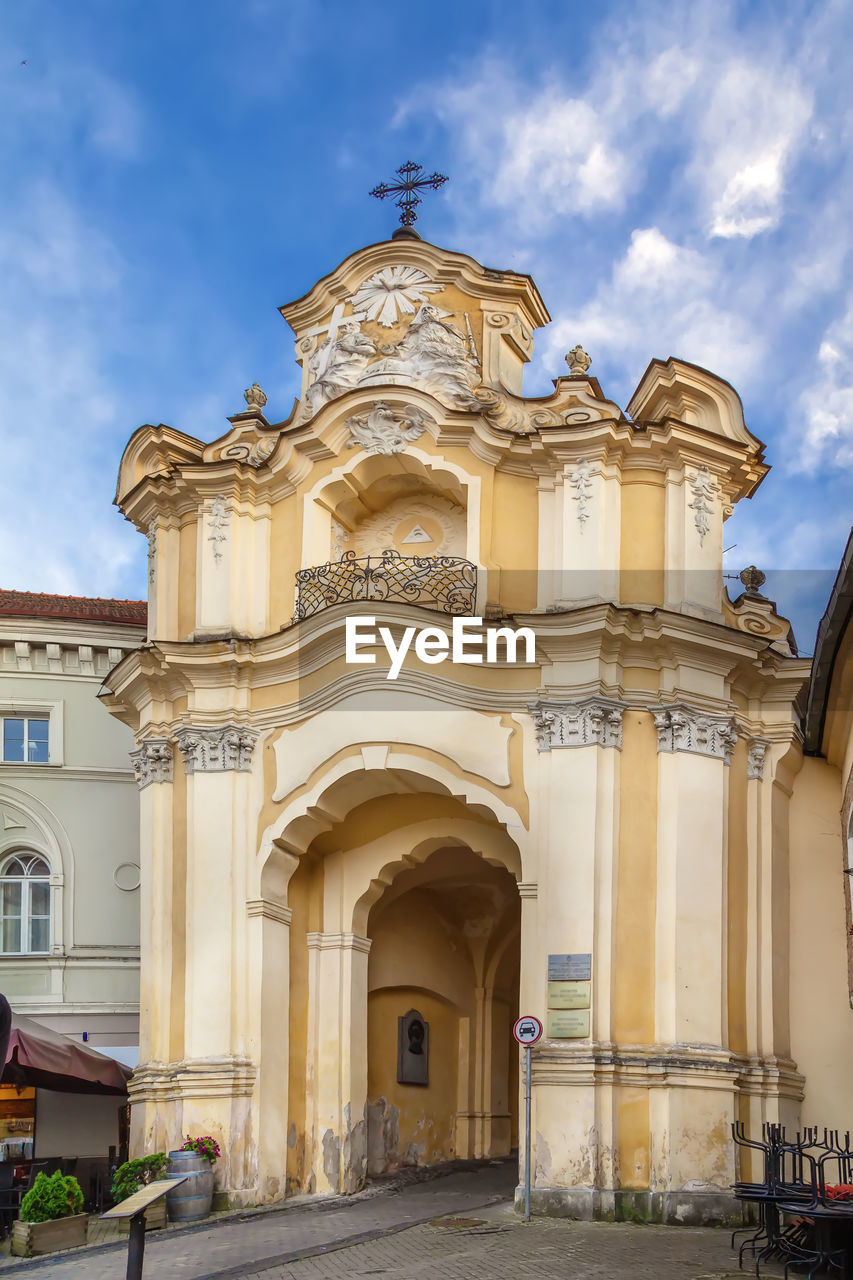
33,604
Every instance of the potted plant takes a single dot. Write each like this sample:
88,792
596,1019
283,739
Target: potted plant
132,1175
51,1217
192,1199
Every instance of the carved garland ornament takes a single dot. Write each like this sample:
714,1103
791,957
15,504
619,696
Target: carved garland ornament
582,485
704,489
594,722
218,525
153,761
680,728
217,749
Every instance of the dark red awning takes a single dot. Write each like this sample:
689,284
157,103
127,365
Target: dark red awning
44,1059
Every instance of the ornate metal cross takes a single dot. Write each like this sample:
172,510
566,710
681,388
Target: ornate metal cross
407,189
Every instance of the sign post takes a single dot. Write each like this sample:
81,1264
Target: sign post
527,1031
134,1209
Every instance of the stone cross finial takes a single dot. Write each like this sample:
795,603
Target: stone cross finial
578,361
255,398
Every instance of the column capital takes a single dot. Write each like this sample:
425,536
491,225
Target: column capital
269,910
216,748
153,761
337,942
591,722
683,728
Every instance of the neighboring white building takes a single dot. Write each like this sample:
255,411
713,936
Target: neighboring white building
69,826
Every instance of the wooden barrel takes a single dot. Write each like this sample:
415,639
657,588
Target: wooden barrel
192,1199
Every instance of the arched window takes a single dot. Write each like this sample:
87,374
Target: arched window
24,905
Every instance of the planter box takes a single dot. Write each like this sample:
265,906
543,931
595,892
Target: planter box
155,1218
32,1238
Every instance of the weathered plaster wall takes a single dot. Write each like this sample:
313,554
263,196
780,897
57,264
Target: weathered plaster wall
821,1017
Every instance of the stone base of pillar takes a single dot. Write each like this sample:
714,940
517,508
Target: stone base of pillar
670,1208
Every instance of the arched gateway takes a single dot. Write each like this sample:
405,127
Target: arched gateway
370,840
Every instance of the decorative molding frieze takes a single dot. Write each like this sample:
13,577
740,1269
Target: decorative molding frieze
386,430
582,484
219,1077
703,488
595,722
681,728
756,753
153,761
528,889
218,525
217,748
269,910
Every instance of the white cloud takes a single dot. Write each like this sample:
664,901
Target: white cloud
827,402
558,151
660,299
754,121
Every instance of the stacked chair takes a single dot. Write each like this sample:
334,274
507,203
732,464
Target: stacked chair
805,1218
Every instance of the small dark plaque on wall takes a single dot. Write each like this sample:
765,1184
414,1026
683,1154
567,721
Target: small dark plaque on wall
575,967
412,1049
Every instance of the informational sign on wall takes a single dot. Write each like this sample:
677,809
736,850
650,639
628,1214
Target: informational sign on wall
568,995
568,1024
569,983
570,967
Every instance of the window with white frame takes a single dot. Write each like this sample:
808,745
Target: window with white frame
26,739
24,905
31,733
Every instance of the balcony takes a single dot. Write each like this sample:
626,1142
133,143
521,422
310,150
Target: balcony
446,584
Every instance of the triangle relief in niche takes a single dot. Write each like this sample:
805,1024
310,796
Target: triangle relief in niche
418,534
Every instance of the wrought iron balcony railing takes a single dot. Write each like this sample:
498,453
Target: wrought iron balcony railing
447,584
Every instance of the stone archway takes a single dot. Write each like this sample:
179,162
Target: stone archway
367,834
445,944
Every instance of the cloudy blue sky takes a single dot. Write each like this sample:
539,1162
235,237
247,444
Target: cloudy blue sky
677,177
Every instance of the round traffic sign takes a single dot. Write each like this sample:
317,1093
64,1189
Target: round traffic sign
528,1029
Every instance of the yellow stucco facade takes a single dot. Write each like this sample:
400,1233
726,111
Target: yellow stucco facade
326,850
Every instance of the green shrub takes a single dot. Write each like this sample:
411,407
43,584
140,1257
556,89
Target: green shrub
133,1174
57,1196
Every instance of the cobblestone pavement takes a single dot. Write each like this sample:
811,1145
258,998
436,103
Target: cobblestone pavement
461,1226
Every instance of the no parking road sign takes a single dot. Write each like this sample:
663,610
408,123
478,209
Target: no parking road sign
527,1030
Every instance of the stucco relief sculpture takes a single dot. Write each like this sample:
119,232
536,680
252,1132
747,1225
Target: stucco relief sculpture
433,355
704,489
681,728
597,722
385,430
152,550
337,364
755,756
582,485
391,293
218,525
217,749
153,761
